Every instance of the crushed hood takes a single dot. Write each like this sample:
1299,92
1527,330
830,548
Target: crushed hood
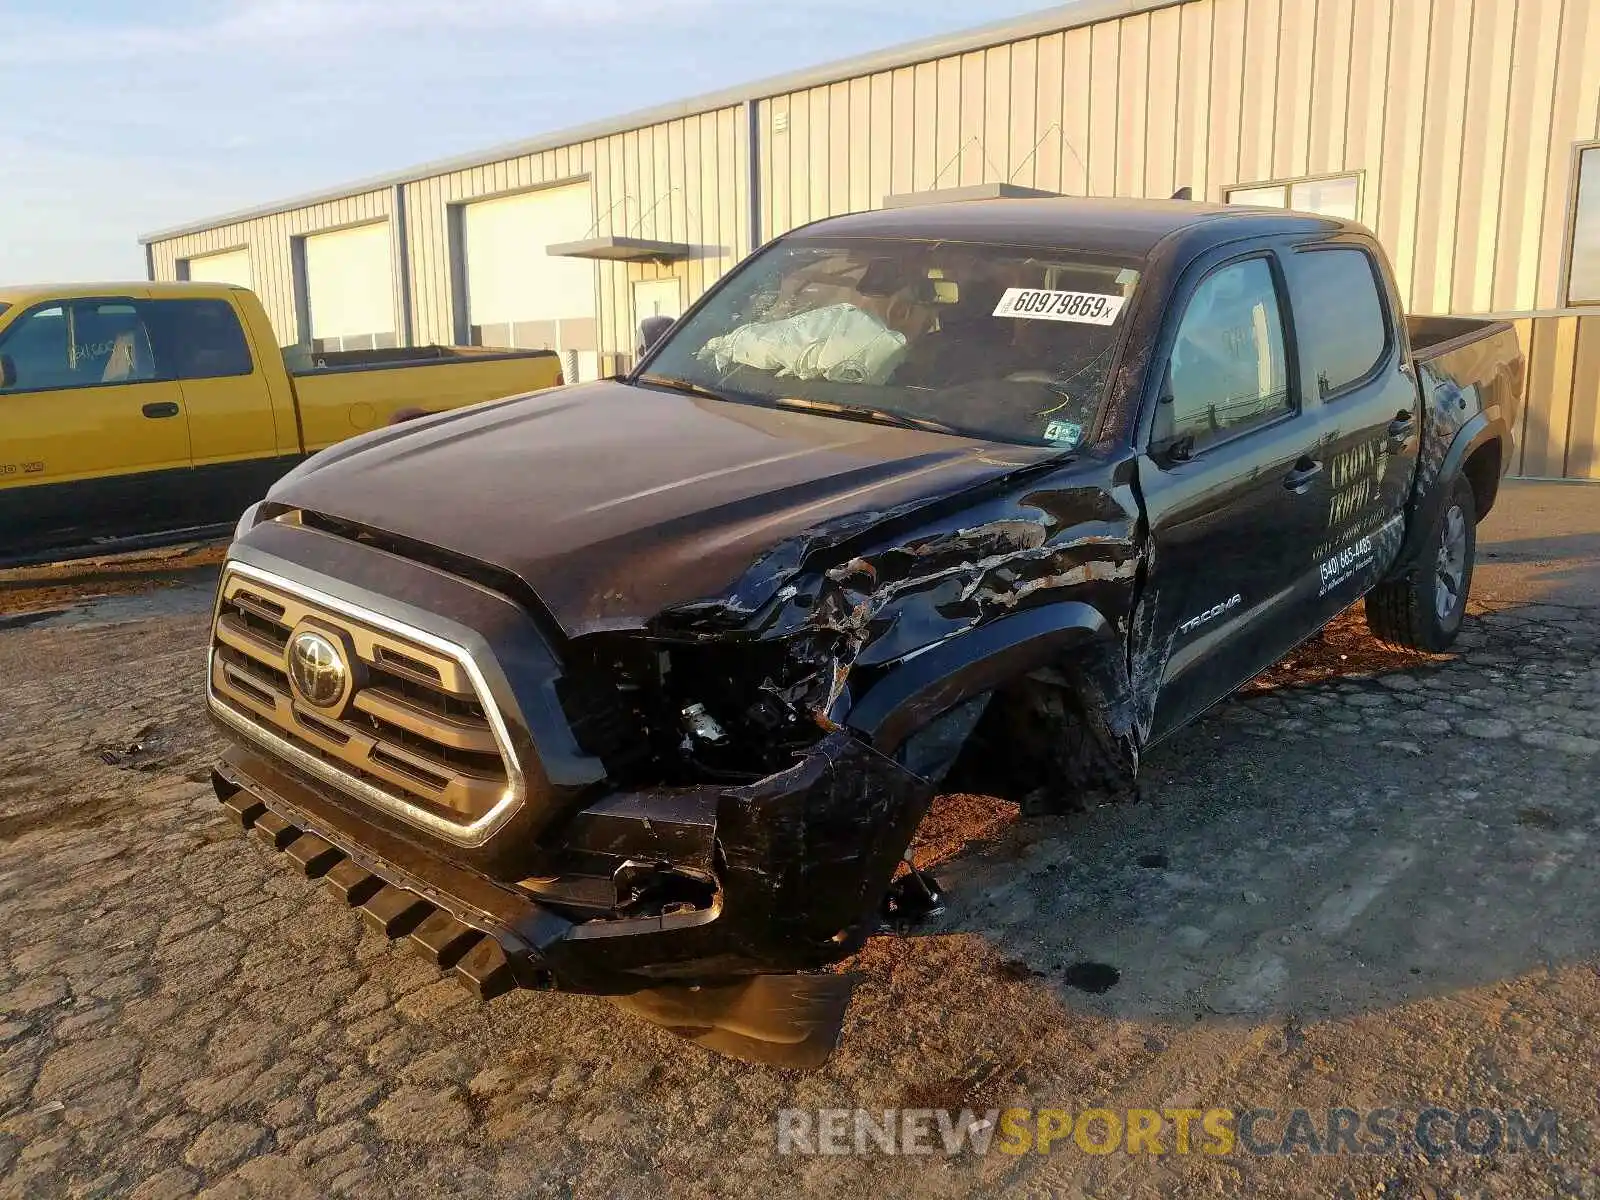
614,502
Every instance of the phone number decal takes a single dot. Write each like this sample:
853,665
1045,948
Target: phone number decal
1038,304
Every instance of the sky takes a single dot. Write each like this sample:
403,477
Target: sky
122,118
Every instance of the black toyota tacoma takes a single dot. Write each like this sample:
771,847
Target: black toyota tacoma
642,687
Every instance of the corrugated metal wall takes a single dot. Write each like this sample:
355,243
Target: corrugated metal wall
681,181
1460,116
1561,438
271,242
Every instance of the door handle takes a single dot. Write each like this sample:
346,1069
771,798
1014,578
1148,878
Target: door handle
1401,427
165,408
1299,480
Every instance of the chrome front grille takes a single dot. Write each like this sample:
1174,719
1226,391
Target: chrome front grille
412,729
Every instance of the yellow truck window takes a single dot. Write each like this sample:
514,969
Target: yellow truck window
37,348
110,343
79,344
198,339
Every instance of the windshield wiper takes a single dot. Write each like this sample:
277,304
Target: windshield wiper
862,412
686,386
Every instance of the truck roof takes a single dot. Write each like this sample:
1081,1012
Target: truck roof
1106,226
27,293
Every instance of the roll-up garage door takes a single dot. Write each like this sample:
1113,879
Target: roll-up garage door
231,267
350,288
517,294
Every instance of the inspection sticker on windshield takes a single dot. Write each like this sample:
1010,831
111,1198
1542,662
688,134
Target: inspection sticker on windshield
1063,433
1040,304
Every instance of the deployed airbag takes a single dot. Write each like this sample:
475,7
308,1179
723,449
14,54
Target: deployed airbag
840,343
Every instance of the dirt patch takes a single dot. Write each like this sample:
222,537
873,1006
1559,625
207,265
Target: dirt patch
959,821
39,592
984,1082
75,816
1345,649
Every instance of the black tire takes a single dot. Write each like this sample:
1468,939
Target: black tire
1423,610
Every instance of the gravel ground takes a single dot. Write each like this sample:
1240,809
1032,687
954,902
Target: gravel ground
1368,881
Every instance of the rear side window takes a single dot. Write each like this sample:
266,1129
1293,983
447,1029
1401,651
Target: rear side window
1228,372
1340,315
198,339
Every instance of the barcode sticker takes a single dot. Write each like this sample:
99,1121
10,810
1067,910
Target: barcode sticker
1039,304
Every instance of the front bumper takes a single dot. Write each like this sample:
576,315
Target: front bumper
578,888
800,859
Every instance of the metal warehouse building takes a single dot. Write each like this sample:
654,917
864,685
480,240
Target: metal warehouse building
1465,132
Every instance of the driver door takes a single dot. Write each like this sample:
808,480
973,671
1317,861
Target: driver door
1227,479
93,443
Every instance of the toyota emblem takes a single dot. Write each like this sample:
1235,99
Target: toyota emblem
317,669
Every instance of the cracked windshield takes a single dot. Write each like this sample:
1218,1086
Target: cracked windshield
1003,343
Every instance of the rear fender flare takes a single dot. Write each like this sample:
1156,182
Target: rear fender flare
1434,487
932,681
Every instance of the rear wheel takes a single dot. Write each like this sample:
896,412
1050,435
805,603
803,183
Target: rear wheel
1424,611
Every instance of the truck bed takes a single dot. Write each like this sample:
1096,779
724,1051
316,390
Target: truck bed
350,391
302,360
1435,336
1479,365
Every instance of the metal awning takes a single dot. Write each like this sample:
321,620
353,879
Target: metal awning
612,248
977,191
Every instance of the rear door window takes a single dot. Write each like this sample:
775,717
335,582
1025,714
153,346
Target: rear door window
1228,372
199,339
1340,314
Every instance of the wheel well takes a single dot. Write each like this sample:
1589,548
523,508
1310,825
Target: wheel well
1045,741
1482,470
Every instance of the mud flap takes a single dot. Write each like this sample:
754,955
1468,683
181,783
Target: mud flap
771,1020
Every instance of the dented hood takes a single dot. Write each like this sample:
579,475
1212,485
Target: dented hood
615,502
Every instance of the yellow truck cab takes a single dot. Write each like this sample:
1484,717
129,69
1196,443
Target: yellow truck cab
140,414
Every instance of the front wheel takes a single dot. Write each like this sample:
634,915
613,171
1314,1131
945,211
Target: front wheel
1424,610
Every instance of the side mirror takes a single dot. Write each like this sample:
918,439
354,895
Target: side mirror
1171,451
651,331
8,372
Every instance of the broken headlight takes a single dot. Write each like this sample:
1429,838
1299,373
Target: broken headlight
670,713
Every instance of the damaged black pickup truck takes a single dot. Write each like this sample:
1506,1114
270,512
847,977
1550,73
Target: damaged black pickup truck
642,687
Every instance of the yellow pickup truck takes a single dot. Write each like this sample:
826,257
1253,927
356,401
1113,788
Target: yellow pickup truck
136,415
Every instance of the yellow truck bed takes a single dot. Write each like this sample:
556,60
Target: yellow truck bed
348,392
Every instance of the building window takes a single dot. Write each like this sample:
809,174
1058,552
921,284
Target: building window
354,341
1331,195
1583,276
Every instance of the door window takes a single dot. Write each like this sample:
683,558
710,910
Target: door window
79,344
37,347
199,339
1228,372
1340,316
